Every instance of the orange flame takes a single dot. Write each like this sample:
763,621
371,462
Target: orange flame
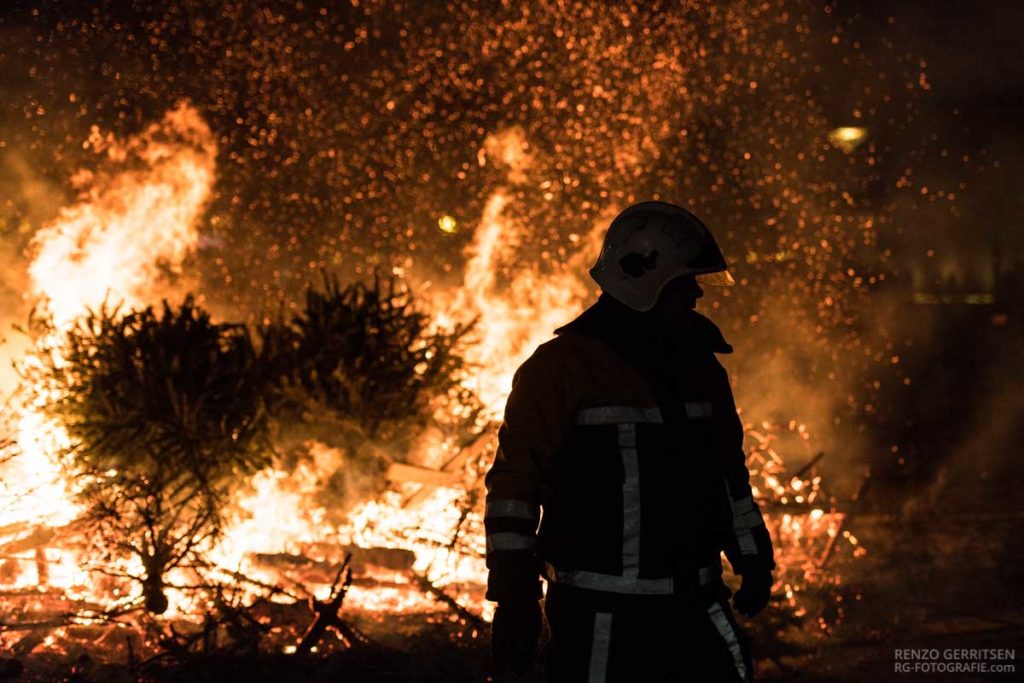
113,244
132,223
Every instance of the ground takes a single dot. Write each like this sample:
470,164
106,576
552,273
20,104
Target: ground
931,580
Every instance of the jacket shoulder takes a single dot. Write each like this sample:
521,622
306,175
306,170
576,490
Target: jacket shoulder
553,354
563,361
710,334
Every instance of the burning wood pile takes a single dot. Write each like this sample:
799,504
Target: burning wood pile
167,417
177,429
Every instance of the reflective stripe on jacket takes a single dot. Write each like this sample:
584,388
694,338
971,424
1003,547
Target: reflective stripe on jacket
625,434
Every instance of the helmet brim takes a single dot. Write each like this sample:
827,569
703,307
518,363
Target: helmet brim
721,278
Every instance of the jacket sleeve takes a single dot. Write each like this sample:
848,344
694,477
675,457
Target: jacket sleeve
748,546
532,433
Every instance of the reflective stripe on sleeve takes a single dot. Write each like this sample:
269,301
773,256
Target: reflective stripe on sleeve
509,540
750,519
599,647
732,641
609,415
741,506
746,542
745,517
519,509
746,510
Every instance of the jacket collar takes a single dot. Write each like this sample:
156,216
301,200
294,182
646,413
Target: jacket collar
624,328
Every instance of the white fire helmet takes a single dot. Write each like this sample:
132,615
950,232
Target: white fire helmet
651,243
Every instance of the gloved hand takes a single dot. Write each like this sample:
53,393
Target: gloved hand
514,635
754,593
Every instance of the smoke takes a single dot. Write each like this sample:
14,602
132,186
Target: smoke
980,469
809,387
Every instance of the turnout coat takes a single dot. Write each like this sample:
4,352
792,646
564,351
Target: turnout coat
620,466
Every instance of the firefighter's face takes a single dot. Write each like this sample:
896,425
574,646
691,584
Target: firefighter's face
678,298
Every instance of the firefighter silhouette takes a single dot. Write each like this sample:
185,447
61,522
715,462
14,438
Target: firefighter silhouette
622,430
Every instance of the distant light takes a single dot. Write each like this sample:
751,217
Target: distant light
847,138
969,298
447,224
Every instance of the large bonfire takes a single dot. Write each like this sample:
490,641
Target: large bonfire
415,546
531,129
